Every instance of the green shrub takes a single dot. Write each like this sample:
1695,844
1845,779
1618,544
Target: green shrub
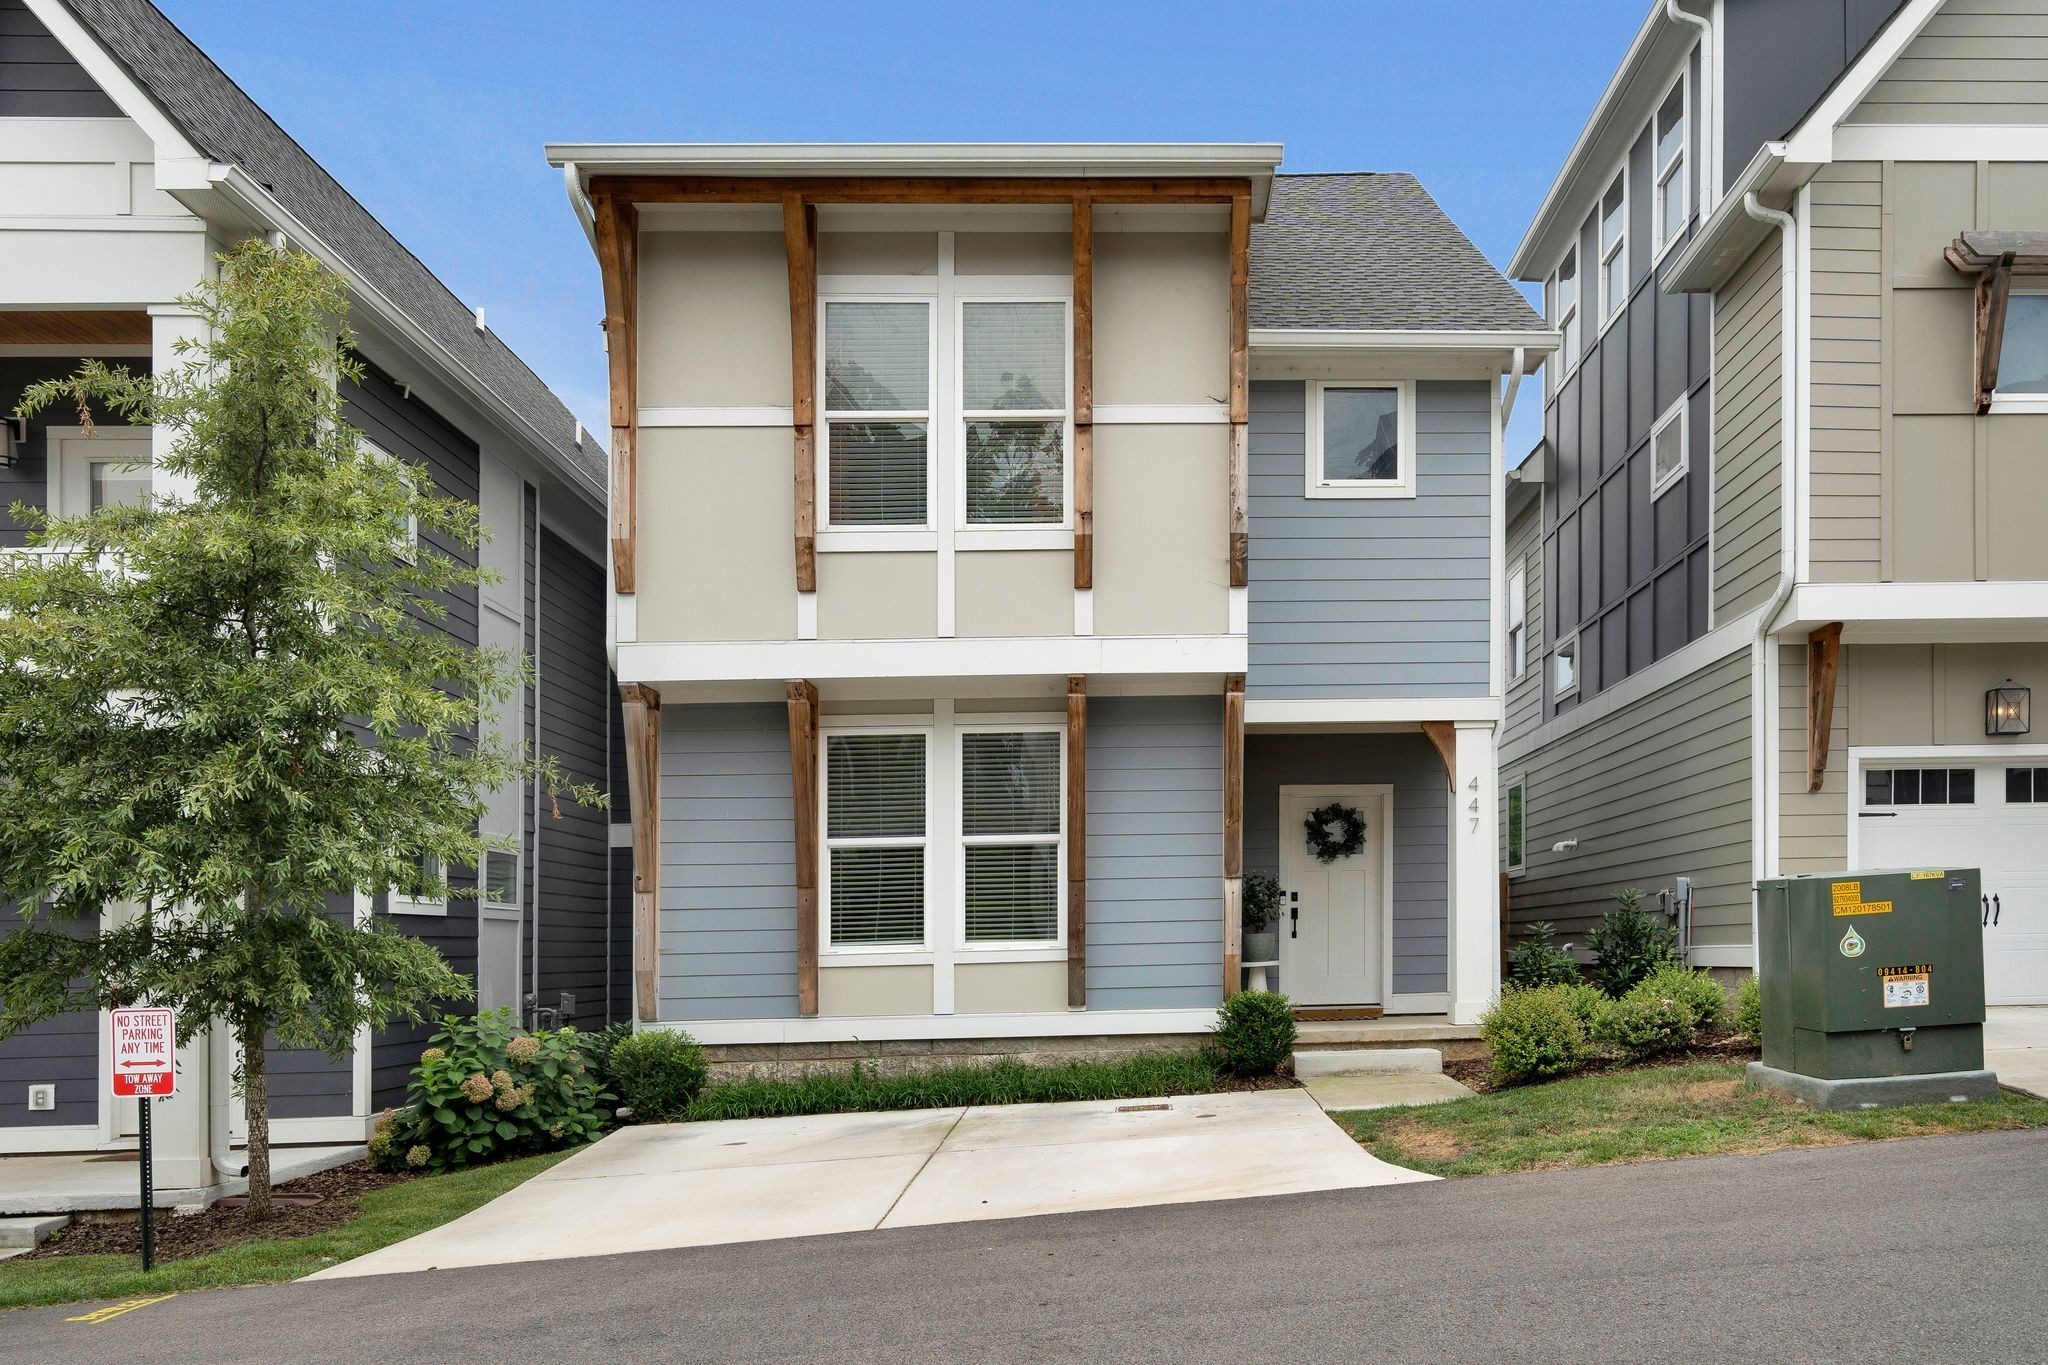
1534,1034
1628,944
1749,1007
1584,1000
657,1074
862,1090
484,1089
1536,961
1254,1033
1644,1024
1701,995
597,1051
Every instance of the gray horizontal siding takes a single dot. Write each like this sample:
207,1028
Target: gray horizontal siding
38,78
1371,597
1420,897
1655,790
1155,853
1847,382
1749,350
1977,61
728,876
64,1051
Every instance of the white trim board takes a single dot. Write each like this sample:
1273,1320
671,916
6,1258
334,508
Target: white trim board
1722,955
1021,656
1368,711
1064,1024
1863,605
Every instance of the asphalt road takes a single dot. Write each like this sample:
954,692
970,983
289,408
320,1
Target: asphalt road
1927,1251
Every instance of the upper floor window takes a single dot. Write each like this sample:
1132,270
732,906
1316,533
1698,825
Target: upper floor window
2023,358
1567,295
1013,410
877,413
1670,155
1614,248
1361,440
1564,663
1667,449
431,874
1518,621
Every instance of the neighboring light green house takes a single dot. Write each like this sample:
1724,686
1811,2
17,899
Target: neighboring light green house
1780,549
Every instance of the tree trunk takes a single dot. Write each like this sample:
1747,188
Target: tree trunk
256,1099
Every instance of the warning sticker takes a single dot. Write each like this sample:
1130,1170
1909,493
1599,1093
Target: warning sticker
1930,876
1905,991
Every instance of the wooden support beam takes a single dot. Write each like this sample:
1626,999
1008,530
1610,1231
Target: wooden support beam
1233,831
641,707
1444,736
1077,842
618,259
1240,546
1084,392
800,243
1240,385
1994,289
1823,661
712,189
803,783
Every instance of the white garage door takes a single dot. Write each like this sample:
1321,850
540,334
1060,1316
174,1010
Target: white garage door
1991,816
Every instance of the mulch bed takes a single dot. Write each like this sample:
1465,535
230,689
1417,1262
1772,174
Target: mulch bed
1726,1046
1283,1081
181,1236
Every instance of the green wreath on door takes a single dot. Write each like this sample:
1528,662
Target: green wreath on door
1336,831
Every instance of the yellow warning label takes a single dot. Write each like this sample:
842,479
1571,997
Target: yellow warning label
1930,876
1846,893
1863,908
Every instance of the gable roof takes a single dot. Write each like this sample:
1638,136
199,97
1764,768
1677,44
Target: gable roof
223,123
1373,252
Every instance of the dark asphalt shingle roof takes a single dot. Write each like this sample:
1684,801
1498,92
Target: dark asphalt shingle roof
224,123
1373,251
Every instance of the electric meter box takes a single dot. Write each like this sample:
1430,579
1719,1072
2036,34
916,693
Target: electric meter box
1873,988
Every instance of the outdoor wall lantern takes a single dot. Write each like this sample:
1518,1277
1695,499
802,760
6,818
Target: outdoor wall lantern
13,436
2006,710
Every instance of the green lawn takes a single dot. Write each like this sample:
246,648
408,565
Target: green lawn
388,1215
1647,1115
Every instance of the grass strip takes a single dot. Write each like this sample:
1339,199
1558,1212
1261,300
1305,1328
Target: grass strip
1005,1082
388,1215
1652,1114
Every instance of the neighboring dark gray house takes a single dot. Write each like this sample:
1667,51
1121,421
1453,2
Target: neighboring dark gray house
134,159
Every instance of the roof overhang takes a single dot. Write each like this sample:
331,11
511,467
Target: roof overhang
1525,480
1253,161
1730,234
1495,351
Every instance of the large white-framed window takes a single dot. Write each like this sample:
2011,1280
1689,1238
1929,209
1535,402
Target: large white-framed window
1012,832
2023,351
879,376
1565,292
1613,241
431,872
1564,667
1015,380
1672,201
1361,440
1517,826
1668,449
875,813
1518,620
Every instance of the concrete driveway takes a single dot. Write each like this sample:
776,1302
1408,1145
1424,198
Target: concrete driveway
698,1184
2016,1046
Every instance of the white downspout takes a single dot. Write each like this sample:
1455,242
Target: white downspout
580,202
220,1088
1763,775
1507,398
1709,178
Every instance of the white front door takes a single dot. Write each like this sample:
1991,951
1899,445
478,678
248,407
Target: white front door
1916,814
1332,915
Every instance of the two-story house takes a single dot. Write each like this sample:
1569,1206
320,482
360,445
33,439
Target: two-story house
1012,546
1781,589
127,160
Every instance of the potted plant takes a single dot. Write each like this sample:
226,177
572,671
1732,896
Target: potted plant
1261,905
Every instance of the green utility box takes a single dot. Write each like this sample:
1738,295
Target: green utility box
1873,986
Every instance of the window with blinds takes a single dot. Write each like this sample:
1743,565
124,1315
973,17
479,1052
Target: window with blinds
877,413
875,836
1012,798
1013,408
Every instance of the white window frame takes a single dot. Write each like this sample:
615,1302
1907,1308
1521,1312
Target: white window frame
1610,309
483,885
1518,620
411,550
900,536
2020,402
826,843
1514,868
962,415
1677,412
418,905
1570,321
1568,646
1316,486
1679,166
61,448
963,840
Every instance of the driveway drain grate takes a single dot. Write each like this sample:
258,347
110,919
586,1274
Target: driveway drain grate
1140,1108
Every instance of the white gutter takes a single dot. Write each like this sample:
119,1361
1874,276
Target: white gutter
220,1075
1710,166
1324,338
579,202
1507,398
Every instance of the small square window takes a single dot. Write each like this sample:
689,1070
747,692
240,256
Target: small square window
1962,786
1361,440
501,878
1877,787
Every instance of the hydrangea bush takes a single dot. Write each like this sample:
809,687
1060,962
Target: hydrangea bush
484,1090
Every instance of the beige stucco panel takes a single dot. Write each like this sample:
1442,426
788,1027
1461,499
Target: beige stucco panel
1933,338
1009,987
871,992
1162,318
1934,694
878,253
2018,199
1930,202
1013,253
714,320
1161,525
1013,592
2019,495
717,505
877,595
1934,479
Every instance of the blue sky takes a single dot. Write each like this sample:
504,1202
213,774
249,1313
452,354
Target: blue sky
434,114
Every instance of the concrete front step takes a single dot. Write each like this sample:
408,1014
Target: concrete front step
1453,1042
1369,1061
29,1232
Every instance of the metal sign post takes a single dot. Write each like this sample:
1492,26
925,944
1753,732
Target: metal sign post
144,1044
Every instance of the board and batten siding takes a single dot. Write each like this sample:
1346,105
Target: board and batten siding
1654,790
1748,433
1371,597
1976,62
38,78
1525,550
1846,384
1155,853
1420,897
728,874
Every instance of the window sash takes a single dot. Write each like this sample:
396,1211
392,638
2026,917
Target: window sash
836,511
1565,678
971,512
2023,352
1517,826
1614,248
1568,307
866,874
1673,192
994,925
1400,482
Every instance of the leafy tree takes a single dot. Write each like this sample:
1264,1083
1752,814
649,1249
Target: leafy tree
228,704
